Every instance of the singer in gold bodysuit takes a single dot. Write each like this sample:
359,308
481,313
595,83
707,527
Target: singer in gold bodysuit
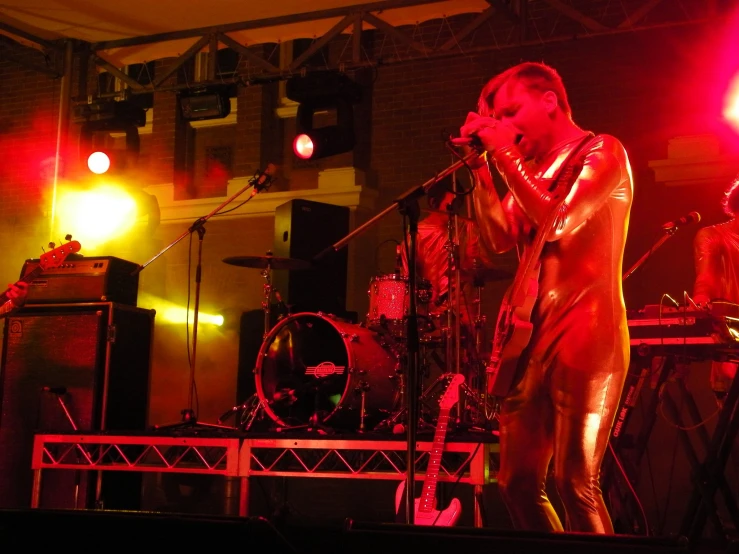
572,371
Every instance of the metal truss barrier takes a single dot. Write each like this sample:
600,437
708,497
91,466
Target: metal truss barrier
471,463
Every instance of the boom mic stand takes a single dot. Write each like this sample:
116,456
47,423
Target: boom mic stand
407,204
669,231
260,181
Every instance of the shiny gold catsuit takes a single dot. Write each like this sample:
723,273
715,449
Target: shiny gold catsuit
573,369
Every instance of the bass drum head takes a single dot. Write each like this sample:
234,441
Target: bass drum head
302,369
315,368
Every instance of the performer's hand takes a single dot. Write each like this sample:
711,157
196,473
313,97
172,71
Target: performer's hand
17,293
702,301
491,133
468,142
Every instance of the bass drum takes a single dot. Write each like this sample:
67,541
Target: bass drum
316,369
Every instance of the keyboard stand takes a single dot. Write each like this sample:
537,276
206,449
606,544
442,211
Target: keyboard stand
708,476
623,506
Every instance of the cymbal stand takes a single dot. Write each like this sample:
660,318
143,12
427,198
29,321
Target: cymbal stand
480,340
254,405
266,303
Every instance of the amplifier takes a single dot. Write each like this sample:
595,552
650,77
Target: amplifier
84,279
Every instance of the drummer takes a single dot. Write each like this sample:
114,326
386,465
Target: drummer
432,258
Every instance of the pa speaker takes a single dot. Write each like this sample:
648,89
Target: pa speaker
68,367
303,229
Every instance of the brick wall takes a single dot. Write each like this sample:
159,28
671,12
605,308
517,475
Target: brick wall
28,131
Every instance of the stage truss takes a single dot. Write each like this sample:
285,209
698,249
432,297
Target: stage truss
471,463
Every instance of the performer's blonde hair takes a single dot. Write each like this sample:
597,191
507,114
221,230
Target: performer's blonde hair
535,75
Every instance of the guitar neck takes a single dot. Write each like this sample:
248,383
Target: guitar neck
428,496
27,278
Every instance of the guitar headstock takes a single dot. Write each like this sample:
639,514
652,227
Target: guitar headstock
55,258
451,395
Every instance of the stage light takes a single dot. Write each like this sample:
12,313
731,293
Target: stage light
98,162
319,92
98,124
324,141
213,102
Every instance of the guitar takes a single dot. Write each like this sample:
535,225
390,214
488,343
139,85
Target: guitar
513,328
47,260
425,512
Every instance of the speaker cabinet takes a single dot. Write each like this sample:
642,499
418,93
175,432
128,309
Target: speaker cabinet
303,229
92,359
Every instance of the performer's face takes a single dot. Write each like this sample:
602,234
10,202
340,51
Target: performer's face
528,112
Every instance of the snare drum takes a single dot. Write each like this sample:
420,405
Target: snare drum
316,368
389,302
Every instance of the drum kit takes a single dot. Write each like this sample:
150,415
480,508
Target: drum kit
319,372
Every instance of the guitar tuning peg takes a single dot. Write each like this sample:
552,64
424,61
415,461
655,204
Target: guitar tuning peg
67,237
52,245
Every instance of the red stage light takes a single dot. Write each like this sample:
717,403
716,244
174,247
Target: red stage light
303,147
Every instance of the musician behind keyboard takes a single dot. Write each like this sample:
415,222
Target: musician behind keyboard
716,256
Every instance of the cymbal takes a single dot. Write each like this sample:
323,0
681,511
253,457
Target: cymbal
262,262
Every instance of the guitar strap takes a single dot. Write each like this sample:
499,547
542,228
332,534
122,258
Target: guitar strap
567,169
569,163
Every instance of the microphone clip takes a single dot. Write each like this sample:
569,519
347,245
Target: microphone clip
261,181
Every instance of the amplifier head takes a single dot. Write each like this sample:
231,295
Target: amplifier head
83,279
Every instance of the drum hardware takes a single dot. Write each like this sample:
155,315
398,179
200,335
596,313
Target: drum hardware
252,407
250,410
361,390
267,263
261,181
453,336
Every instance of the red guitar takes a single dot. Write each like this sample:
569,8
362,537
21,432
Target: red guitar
47,260
425,512
513,328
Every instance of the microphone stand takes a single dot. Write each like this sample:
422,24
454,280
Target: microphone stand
407,204
261,181
668,234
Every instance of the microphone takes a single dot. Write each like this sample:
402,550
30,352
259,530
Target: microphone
263,179
692,217
55,390
474,142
